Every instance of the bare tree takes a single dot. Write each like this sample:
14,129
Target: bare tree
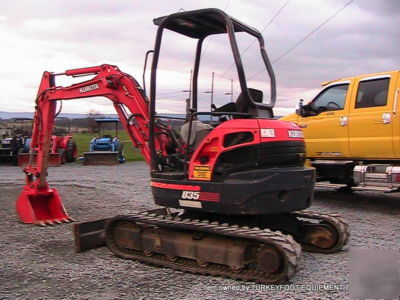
92,115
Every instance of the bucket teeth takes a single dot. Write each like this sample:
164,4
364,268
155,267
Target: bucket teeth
42,223
55,221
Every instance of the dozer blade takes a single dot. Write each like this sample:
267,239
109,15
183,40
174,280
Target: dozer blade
100,158
89,235
41,207
54,159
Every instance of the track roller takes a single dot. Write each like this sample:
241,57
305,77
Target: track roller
203,247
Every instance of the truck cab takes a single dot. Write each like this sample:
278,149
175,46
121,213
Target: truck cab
352,131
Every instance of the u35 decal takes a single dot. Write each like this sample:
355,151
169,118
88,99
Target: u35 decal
190,195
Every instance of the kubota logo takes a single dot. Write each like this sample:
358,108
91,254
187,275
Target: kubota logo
88,88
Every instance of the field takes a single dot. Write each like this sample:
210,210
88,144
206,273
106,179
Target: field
131,154
40,262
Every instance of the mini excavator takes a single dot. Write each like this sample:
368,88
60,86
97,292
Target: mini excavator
240,185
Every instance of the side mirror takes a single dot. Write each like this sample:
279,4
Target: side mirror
300,108
257,95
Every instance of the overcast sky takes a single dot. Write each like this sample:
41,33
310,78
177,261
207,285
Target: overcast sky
56,35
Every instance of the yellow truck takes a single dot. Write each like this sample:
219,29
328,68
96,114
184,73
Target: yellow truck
352,131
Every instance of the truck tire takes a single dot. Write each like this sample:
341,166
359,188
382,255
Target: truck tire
71,152
346,189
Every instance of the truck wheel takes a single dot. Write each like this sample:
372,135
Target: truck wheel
71,153
346,189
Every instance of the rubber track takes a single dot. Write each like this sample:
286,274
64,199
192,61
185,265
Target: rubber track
334,220
289,248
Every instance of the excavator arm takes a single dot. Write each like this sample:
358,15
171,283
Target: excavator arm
40,204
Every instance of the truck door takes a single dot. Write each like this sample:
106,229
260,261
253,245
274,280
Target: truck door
371,118
396,118
325,128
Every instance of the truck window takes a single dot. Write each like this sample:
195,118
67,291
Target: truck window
332,98
372,93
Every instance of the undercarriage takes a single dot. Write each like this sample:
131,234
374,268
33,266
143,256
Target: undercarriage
226,247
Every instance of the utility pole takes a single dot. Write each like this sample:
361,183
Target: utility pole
212,94
190,90
188,100
231,92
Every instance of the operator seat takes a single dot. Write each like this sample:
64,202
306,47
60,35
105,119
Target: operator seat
242,105
200,129
198,132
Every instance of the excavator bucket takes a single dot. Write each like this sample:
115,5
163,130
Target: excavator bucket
54,160
41,207
100,158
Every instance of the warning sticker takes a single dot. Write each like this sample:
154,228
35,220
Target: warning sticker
202,172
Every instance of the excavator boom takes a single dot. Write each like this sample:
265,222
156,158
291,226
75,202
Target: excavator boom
38,203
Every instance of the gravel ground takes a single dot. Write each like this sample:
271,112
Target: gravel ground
40,262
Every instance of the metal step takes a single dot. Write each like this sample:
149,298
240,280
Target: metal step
330,185
331,162
376,189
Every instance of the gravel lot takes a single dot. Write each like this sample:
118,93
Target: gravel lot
40,262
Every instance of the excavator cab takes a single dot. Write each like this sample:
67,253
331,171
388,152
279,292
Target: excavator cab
245,148
199,25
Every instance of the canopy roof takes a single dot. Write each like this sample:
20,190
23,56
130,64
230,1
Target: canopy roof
201,23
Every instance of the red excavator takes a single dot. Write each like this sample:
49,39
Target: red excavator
240,184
